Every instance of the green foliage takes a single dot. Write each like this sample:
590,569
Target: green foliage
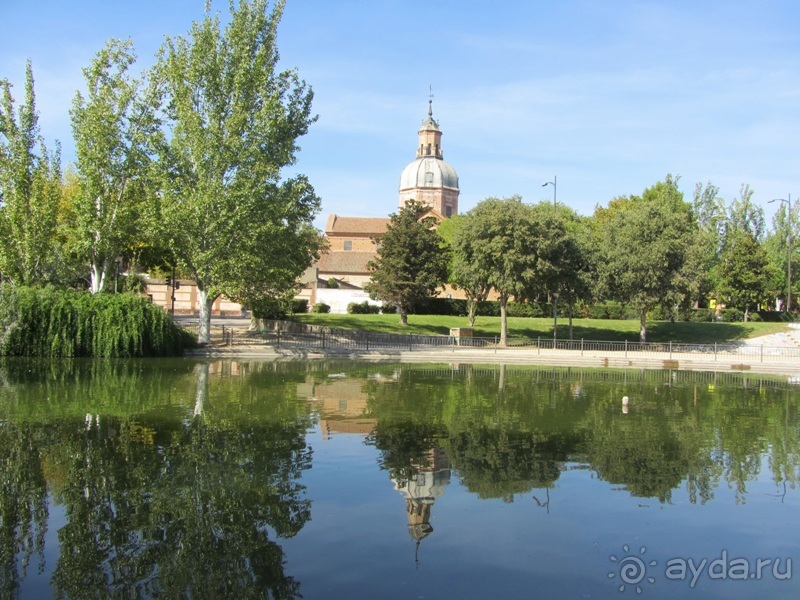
30,192
642,249
743,271
701,315
48,322
234,224
732,315
299,305
332,283
114,128
268,307
320,307
363,308
388,309
411,263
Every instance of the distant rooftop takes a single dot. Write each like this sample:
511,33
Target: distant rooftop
365,226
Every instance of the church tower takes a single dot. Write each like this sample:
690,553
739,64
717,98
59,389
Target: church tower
429,179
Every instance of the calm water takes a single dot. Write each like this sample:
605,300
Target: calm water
181,479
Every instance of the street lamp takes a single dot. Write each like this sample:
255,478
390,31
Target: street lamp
555,317
555,188
789,245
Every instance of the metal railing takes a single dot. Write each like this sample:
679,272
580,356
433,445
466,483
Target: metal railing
301,336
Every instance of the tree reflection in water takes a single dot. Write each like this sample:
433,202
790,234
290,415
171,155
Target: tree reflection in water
165,501
179,479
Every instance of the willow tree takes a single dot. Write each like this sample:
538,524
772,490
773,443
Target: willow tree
113,126
30,191
233,223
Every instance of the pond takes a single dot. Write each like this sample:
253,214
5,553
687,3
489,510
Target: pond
239,479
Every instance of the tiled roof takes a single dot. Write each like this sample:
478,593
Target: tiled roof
345,262
339,226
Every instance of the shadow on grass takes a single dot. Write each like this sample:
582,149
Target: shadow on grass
533,328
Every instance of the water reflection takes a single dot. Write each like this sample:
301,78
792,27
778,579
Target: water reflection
187,479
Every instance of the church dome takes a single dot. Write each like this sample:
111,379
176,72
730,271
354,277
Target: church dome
428,172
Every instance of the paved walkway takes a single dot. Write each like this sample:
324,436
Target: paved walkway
761,362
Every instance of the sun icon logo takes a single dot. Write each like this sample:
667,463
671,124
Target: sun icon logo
632,569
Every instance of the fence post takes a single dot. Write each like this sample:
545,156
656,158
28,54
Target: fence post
581,346
538,345
626,348
279,338
670,349
762,352
715,351
366,338
323,339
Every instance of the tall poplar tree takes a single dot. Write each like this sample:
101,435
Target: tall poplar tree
234,225
113,127
30,191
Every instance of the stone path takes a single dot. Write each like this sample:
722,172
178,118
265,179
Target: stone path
787,339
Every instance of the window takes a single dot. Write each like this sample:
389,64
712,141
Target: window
448,211
348,245
429,177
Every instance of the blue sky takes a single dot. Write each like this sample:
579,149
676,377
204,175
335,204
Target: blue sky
609,96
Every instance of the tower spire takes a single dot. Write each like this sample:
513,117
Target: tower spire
430,101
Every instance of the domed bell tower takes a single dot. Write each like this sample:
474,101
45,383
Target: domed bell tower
429,179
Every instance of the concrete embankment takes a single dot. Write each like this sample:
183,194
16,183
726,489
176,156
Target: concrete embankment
645,360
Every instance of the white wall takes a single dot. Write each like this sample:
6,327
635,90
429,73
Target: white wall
338,299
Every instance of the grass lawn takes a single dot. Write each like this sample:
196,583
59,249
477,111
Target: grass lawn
520,327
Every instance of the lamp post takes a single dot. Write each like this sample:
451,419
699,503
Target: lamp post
555,317
555,188
789,246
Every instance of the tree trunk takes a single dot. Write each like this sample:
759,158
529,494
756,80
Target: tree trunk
97,276
643,326
571,310
403,317
503,321
472,308
746,313
204,322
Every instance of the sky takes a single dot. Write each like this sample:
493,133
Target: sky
607,96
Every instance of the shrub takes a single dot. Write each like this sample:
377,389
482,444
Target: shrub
363,308
701,315
268,307
332,283
597,311
320,307
299,305
50,323
441,306
732,315
754,317
520,309
389,309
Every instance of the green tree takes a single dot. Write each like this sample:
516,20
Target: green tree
30,191
576,273
411,262
743,271
642,250
113,127
702,254
778,243
464,274
510,246
230,219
